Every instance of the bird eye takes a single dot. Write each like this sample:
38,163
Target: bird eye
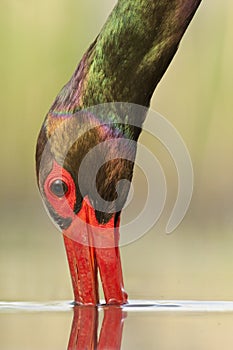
59,188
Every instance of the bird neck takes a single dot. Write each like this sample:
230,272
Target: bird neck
130,55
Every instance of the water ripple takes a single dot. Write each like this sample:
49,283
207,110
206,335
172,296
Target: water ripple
132,306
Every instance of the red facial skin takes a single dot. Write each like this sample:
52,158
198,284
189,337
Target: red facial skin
89,246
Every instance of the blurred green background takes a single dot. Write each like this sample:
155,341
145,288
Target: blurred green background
41,44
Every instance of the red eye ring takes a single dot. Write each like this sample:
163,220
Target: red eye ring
64,198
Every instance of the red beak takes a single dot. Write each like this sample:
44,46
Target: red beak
90,247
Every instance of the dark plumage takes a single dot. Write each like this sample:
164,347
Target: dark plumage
124,64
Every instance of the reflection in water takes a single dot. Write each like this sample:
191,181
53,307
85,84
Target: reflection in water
151,324
84,331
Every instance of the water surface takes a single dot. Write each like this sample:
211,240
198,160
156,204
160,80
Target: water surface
139,325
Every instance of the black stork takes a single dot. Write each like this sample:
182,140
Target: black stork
124,64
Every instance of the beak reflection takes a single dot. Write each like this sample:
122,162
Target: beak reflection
84,331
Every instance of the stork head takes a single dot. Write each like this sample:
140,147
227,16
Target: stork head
84,187
79,160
